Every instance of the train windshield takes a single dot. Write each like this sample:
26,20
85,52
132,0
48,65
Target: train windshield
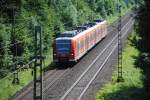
63,46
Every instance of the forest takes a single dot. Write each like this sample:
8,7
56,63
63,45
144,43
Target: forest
144,45
18,18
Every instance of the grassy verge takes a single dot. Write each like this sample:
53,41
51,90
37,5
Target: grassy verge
6,87
131,88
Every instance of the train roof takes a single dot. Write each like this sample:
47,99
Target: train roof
85,26
98,20
91,24
91,28
68,33
79,29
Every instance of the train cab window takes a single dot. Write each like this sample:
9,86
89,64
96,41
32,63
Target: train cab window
63,46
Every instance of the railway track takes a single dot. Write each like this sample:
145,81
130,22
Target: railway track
103,75
23,94
55,76
77,90
51,78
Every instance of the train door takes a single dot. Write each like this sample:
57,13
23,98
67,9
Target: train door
90,40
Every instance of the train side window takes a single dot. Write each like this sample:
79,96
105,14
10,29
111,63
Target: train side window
82,44
93,35
78,46
97,32
104,28
87,40
90,37
84,41
100,30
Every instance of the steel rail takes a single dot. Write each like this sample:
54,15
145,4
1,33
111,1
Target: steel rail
29,89
50,84
47,87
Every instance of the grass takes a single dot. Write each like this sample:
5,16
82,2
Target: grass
131,88
6,87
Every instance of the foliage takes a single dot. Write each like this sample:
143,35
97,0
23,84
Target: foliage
137,88
53,15
144,24
144,32
5,55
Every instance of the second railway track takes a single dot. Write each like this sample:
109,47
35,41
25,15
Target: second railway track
77,90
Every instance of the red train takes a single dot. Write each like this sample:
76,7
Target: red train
70,46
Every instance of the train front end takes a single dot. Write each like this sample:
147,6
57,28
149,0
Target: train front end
63,50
